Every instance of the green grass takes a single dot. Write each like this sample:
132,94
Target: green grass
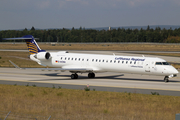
81,104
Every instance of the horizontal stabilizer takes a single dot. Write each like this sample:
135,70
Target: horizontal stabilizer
20,38
26,37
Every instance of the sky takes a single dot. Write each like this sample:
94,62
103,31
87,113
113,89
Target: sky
44,14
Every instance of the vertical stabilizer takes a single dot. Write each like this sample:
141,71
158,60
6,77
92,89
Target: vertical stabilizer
31,43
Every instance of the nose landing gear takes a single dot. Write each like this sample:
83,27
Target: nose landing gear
166,79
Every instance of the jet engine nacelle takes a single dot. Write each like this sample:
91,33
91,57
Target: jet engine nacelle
43,56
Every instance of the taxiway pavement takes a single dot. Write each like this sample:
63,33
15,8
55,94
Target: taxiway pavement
116,82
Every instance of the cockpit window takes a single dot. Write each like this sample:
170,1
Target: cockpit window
162,63
165,63
158,63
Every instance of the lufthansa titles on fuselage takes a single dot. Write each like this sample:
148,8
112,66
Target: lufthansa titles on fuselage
133,59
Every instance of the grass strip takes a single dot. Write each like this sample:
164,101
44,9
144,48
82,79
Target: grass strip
80,104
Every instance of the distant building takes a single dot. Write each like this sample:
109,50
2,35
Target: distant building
109,28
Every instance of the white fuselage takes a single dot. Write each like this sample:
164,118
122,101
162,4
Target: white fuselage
108,63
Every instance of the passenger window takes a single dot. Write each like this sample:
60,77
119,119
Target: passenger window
82,59
131,62
65,58
71,58
79,59
93,60
114,61
68,58
122,61
87,59
106,60
96,60
75,58
103,61
135,62
61,58
126,62
118,61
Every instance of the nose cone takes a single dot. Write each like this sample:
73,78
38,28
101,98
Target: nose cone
175,71
172,70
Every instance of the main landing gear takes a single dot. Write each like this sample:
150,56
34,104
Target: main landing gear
91,75
75,75
166,79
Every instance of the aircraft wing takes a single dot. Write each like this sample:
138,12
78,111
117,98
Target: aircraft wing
61,69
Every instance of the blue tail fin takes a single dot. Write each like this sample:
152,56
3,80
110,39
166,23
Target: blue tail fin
31,43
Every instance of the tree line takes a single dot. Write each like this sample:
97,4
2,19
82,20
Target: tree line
156,35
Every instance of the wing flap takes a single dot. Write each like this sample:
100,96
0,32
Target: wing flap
56,69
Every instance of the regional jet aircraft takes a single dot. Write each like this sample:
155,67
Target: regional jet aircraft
94,63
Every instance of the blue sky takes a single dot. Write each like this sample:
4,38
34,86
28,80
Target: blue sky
43,14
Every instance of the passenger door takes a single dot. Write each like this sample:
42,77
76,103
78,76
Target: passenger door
147,66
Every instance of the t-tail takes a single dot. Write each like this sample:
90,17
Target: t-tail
31,43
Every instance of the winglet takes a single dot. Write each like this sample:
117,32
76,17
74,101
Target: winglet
14,65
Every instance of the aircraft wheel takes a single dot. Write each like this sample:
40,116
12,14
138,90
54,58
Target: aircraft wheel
166,79
91,75
74,76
